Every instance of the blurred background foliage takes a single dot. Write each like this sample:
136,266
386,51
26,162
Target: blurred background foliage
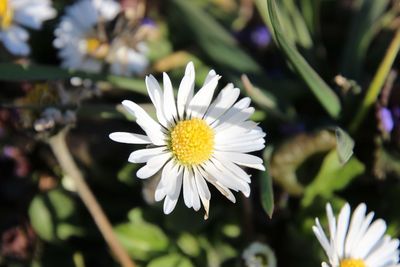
323,76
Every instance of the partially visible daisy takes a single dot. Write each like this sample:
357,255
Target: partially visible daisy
195,140
126,61
82,44
17,13
358,242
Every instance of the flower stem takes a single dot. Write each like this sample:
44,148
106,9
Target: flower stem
377,83
60,149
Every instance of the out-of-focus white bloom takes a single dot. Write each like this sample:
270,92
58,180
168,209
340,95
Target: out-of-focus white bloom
126,61
358,242
259,255
195,140
79,41
52,117
16,14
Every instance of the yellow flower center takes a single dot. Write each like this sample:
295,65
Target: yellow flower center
97,49
6,14
192,141
352,263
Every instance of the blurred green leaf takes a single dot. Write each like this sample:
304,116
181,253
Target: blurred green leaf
17,72
332,176
51,216
188,244
142,240
220,47
171,260
267,193
364,26
325,95
344,145
297,22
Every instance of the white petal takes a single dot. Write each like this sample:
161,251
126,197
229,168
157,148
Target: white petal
221,188
187,189
238,117
169,204
371,237
152,128
169,100
153,166
186,89
356,220
386,250
227,174
129,138
242,159
363,228
323,240
225,99
211,74
342,226
195,194
143,155
156,96
201,101
234,169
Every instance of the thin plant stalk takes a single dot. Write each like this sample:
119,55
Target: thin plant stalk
377,83
60,149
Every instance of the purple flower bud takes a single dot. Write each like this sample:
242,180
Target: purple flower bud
260,36
386,119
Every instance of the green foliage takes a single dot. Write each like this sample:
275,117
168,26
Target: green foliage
325,95
171,260
142,240
332,176
53,216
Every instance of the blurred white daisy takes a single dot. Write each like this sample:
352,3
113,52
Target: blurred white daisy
82,44
357,242
126,61
14,14
195,140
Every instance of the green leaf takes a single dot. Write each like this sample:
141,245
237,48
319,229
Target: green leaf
17,72
171,260
188,244
223,50
325,95
365,25
142,240
267,193
51,215
332,176
344,145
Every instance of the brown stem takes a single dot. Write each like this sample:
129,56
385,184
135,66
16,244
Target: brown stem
60,149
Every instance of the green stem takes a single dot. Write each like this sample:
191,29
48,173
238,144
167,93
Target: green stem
377,83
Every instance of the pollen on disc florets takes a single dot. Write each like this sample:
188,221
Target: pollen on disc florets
192,141
6,14
352,263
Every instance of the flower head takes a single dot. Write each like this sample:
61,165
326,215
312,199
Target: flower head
17,13
84,43
195,140
357,242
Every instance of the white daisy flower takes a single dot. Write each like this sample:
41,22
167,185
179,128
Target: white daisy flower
82,44
17,13
195,140
357,242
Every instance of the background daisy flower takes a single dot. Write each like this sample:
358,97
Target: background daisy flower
357,242
195,140
82,45
17,13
